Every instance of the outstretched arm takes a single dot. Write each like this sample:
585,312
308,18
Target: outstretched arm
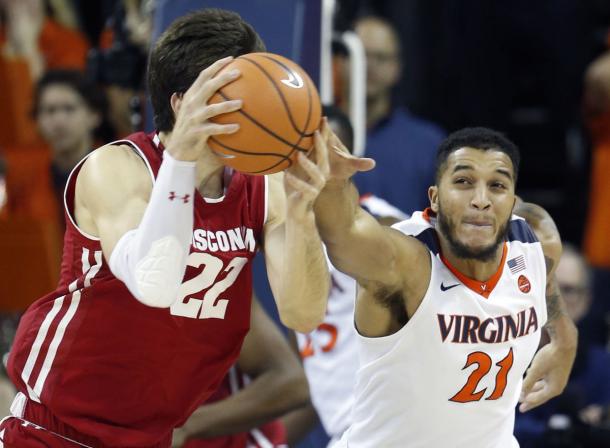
550,369
356,242
278,386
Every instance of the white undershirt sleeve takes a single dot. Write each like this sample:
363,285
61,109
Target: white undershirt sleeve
151,259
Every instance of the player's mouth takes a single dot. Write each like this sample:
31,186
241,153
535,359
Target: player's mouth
481,224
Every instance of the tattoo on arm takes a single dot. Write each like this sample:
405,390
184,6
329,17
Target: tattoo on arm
550,264
554,303
532,213
537,217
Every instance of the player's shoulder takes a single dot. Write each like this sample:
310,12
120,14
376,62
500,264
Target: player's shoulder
520,231
420,230
114,159
113,165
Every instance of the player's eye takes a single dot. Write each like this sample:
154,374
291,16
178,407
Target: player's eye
498,185
461,181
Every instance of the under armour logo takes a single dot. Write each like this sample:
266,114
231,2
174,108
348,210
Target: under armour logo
172,196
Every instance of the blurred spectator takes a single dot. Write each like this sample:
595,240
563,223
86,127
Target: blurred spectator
31,42
578,417
120,61
597,231
68,110
403,145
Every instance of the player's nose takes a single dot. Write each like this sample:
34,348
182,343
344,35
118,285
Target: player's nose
480,197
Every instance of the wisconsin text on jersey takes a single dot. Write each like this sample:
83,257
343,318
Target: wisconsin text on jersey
239,238
471,330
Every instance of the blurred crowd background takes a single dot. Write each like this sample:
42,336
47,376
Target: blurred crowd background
72,78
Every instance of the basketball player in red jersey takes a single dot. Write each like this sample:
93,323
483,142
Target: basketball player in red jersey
242,411
154,298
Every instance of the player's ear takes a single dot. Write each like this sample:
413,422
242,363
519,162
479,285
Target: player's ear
433,197
176,101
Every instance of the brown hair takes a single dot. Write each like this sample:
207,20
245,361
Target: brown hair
191,44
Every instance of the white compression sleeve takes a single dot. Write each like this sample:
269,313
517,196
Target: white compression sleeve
151,259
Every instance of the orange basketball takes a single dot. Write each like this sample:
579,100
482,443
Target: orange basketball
280,112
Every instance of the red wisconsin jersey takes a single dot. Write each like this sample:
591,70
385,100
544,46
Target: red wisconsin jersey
125,373
270,435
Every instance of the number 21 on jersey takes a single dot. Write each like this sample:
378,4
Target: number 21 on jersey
210,306
468,393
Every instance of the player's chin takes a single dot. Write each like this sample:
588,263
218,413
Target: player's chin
479,245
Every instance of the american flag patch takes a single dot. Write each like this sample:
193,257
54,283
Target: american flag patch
516,264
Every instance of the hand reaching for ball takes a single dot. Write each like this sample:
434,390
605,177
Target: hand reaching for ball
342,164
193,126
329,161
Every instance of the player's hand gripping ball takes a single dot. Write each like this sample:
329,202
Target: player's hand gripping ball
281,110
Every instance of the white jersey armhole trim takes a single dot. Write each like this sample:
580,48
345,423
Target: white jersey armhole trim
77,167
418,312
214,200
266,206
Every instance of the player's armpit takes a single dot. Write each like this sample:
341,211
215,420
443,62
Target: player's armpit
112,191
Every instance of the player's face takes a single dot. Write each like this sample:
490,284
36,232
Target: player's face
572,278
383,60
474,201
64,119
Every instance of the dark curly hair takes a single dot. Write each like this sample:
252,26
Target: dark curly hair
479,138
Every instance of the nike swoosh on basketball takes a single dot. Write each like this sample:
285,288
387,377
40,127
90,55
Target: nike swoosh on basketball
445,288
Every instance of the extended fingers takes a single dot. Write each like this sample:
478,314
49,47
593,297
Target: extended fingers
536,397
224,107
532,376
210,72
300,185
207,84
321,153
316,176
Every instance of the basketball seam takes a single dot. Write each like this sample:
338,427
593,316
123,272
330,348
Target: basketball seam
265,128
309,102
281,156
279,92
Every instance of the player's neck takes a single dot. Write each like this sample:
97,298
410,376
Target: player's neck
209,178
472,268
377,108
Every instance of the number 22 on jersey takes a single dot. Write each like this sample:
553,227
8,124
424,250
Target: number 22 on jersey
210,306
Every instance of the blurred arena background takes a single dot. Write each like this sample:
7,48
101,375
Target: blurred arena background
406,72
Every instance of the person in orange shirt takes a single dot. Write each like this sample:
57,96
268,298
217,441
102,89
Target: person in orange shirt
30,44
597,230
69,110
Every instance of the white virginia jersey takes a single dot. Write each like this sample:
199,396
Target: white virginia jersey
330,353
330,356
451,377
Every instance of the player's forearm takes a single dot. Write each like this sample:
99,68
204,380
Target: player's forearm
299,423
559,325
264,399
336,209
305,280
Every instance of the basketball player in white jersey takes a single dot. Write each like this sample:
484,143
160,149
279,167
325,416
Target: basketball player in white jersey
451,302
329,353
